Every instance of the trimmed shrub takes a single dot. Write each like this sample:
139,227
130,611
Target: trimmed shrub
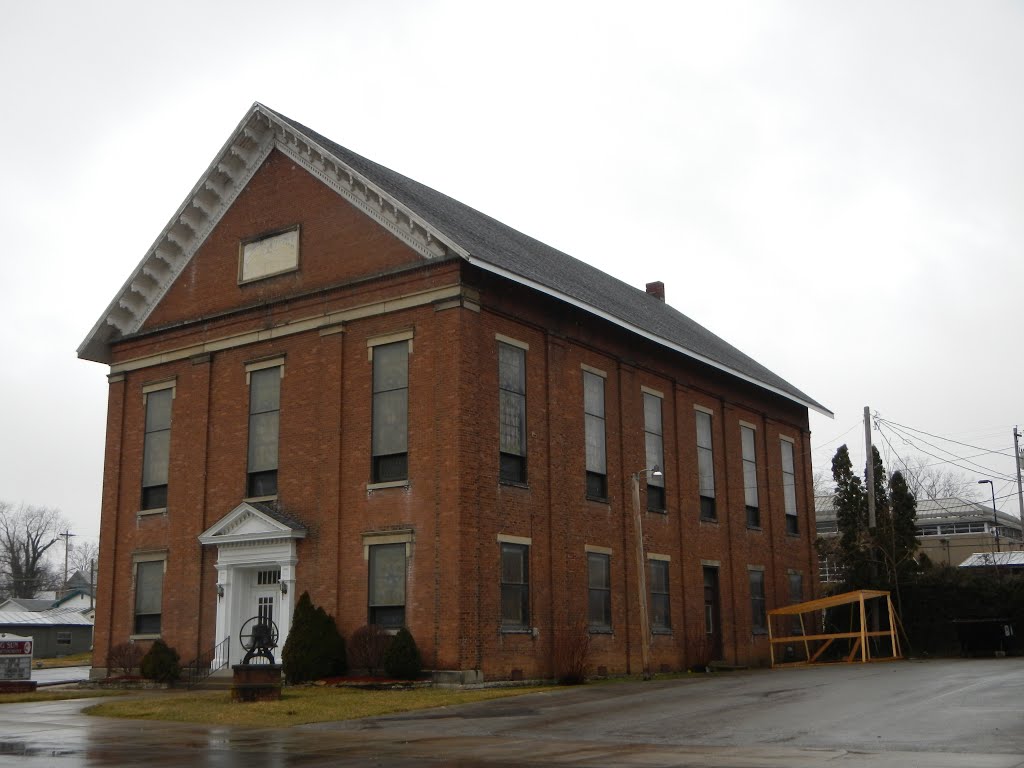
367,646
161,663
314,648
124,658
402,658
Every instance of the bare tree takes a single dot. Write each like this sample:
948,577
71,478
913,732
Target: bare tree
821,483
82,556
26,535
928,480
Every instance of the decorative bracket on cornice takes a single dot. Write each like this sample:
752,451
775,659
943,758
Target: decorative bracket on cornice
361,193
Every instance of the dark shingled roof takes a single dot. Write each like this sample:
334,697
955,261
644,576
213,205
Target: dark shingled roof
495,245
271,510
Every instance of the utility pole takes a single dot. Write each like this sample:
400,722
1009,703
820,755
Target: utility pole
1020,493
869,474
67,545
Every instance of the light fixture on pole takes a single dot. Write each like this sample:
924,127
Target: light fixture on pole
995,520
641,570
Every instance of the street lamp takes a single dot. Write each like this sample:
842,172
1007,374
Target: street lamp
995,518
641,569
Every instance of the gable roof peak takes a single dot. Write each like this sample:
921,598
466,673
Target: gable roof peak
433,224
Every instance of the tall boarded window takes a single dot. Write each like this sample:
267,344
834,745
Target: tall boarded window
758,609
661,616
654,444
705,467
149,586
599,592
750,478
156,450
264,427
789,487
387,585
515,586
390,412
594,418
512,412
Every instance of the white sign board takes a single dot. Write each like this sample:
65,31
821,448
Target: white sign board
15,657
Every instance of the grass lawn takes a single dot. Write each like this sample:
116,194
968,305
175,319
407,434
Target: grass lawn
55,695
78,660
297,705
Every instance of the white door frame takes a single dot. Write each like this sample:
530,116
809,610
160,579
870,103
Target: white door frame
249,539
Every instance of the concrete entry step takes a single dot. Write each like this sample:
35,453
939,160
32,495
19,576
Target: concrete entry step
457,676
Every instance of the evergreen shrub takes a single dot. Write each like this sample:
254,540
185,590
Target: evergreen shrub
161,663
402,658
314,648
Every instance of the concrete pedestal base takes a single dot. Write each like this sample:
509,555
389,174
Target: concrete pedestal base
256,682
17,686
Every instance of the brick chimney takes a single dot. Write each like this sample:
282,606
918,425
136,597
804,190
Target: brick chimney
657,290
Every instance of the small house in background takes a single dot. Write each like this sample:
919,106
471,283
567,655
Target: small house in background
54,632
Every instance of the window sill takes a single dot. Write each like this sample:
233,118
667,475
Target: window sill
514,484
657,511
599,499
662,631
517,631
759,632
600,630
792,535
157,636
388,484
251,499
151,512
713,520
756,528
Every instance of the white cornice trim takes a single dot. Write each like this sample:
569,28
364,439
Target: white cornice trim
259,132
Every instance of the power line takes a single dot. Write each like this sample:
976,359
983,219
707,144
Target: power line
974,467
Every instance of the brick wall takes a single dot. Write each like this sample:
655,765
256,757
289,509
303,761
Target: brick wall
453,501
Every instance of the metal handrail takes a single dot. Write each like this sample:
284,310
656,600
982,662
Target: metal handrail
201,667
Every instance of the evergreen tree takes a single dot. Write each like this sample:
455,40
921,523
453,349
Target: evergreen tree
851,508
904,524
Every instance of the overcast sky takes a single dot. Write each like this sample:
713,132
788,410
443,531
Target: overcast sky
836,188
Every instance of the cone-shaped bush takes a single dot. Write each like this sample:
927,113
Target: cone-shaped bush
314,648
402,658
161,663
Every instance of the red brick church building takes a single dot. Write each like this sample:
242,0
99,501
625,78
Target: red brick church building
327,377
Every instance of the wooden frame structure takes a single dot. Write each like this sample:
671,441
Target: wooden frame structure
816,644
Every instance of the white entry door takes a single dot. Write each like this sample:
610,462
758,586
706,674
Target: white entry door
266,594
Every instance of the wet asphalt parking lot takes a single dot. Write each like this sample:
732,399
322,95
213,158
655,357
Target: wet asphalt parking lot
932,713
